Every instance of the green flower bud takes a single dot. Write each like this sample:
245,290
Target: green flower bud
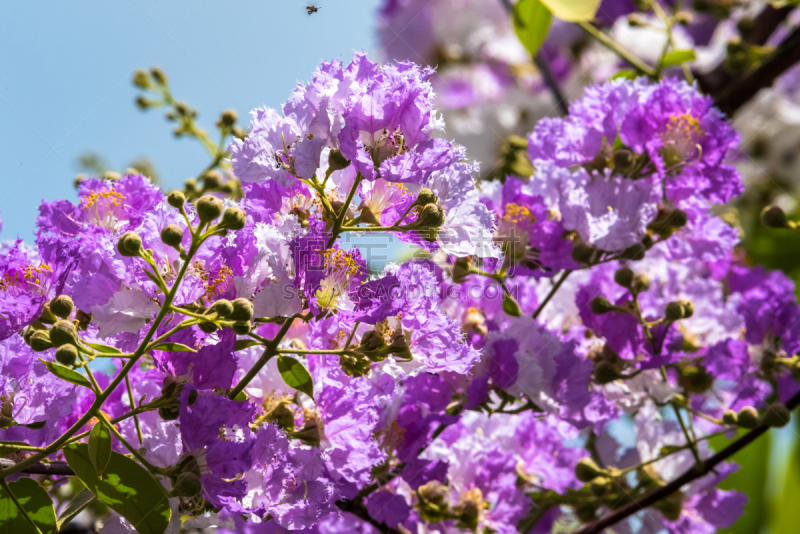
158,75
187,485
223,308
190,185
129,244
242,328
212,180
208,328
208,208
141,79
431,216
747,417
624,276
678,218
34,327
586,512
337,161
583,253
242,310
511,307
634,253
605,373
40,341
192,397
623,160
425,197
730,417
172,235
640,283
600,305
47,315
680,309
169,413
176,199
66,355
61,306
600,486
434,492
233,219
695,379
776,415
773,217
586,470
63,333
228,118
111,176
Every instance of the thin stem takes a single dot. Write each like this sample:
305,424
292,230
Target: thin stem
689,441
150,467
311,351
352,333
618,49
269,351
337,223
133,406
7,488
552,292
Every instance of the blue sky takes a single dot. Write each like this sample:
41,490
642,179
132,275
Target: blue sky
65,86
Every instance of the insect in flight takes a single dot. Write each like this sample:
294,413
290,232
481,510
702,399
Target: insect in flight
312,9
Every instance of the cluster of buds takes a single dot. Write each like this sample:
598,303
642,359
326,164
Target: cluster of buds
63,334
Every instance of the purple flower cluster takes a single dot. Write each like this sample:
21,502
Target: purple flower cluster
562,341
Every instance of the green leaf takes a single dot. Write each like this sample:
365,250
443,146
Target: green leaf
783,516
531,22
83,499
36,502
573,10
100,447
173,347
127,488
677,57
105,349
242,344
65,373
295,375
627,74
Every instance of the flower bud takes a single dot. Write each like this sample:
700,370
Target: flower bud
208,328
511,307
212,180
776,415
223,308
640,283
172,235
233,219
586,512
141,79
242,328
695,379
187,485
623,160
337,161
680,309
434,492
586,470
176,199
129,245
63,333
47,315
40,341
605,373
66,355
747,417
228,118
600,486
678,218
169,413
158,75
600,305
425,197
431,216
61,306
208,208
773,217
583,253
624,277
242,310
730,417
634,253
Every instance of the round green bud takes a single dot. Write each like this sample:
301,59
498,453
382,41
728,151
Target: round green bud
141,79
337,161
208,328
66,355
583,253
223,308
158,75
172,235
212,180
586,512
47,315
182,108
169,414
40,341
242,328
228,118
624,276
242,310
773,217
190,185
233,219
431,216
434,492
634,253
730,417
111,176
695,379
176,199
599,486
623,160
678,219
605,373
208,208
776,415
586,470
187,485
747,417
129,244
425,197
679,309
640,283
600,305
511,307
63,333
61,306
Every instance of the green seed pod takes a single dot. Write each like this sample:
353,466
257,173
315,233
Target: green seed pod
773,217
600,305
242,328
425,197
730,417
172,235
62,306
129,244
776,415
63,333
242,310
141,79
747,417
158,75
586,470
680,309
212,180
208,328
233,219
624,277
176,199
337,161
208,208
187,485
67,355
431,216
228,118
511,307
40,341
223,308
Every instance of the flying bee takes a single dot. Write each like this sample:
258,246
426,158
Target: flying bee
312,9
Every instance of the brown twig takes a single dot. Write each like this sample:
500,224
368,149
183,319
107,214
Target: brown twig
360,511
55,468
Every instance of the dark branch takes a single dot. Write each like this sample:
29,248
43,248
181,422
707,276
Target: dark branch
552,83
54,468
360,511
692,474
738,93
